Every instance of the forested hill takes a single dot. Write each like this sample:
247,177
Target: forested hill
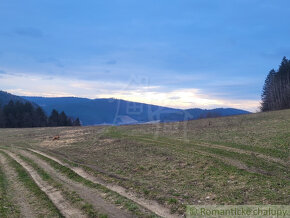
114,111
17,112
6,97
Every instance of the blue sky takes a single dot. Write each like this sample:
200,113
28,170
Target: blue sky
178,53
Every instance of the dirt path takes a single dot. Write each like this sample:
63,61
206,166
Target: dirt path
230,161
237,150
153,206
55,195
90,195
236,163
241,151
22,197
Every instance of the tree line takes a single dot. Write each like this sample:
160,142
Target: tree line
276,90
20,115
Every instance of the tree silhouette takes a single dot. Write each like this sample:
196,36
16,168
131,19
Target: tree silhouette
77,122
276,90
19,115
53,120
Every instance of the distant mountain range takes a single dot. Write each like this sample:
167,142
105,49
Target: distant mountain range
5,97
118,112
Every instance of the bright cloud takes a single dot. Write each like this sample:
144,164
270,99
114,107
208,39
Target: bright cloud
134,90
189,53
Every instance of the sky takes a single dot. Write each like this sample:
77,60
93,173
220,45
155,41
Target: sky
176,53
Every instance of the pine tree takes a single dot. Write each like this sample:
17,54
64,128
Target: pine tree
9,114
19,115
40,119
26,113
63,119
77,122
53,120
276,90
268,98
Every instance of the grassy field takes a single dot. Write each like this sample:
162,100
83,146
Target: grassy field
231,160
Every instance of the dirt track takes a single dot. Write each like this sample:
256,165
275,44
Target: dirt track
265,157
22,197
87,194
55,195
150,205
91,196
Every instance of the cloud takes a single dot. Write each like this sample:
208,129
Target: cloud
29,32
174,98
187,98
178,98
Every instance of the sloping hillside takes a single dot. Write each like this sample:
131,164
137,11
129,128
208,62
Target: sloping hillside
115,111
238,160
5,97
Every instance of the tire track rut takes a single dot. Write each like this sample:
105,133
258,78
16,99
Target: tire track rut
227,160
54,195
90,195
22,197
148,204
241,151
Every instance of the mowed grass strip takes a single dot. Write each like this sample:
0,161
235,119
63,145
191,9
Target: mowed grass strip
72,197
262,150
26,179
7,208
271,152
171,174
266,167
114,197
180,176
270,155
269,131
175,178
261,166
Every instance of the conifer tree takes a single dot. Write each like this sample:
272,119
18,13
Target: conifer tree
19,115
53,120
77,122
276,90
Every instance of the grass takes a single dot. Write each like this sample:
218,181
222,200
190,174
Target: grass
26,179
250,160
73,197
7,208
111,195
132,150
269,168
261,130
267,151
208,175
168,161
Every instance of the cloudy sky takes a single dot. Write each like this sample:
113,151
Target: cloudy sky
178,53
